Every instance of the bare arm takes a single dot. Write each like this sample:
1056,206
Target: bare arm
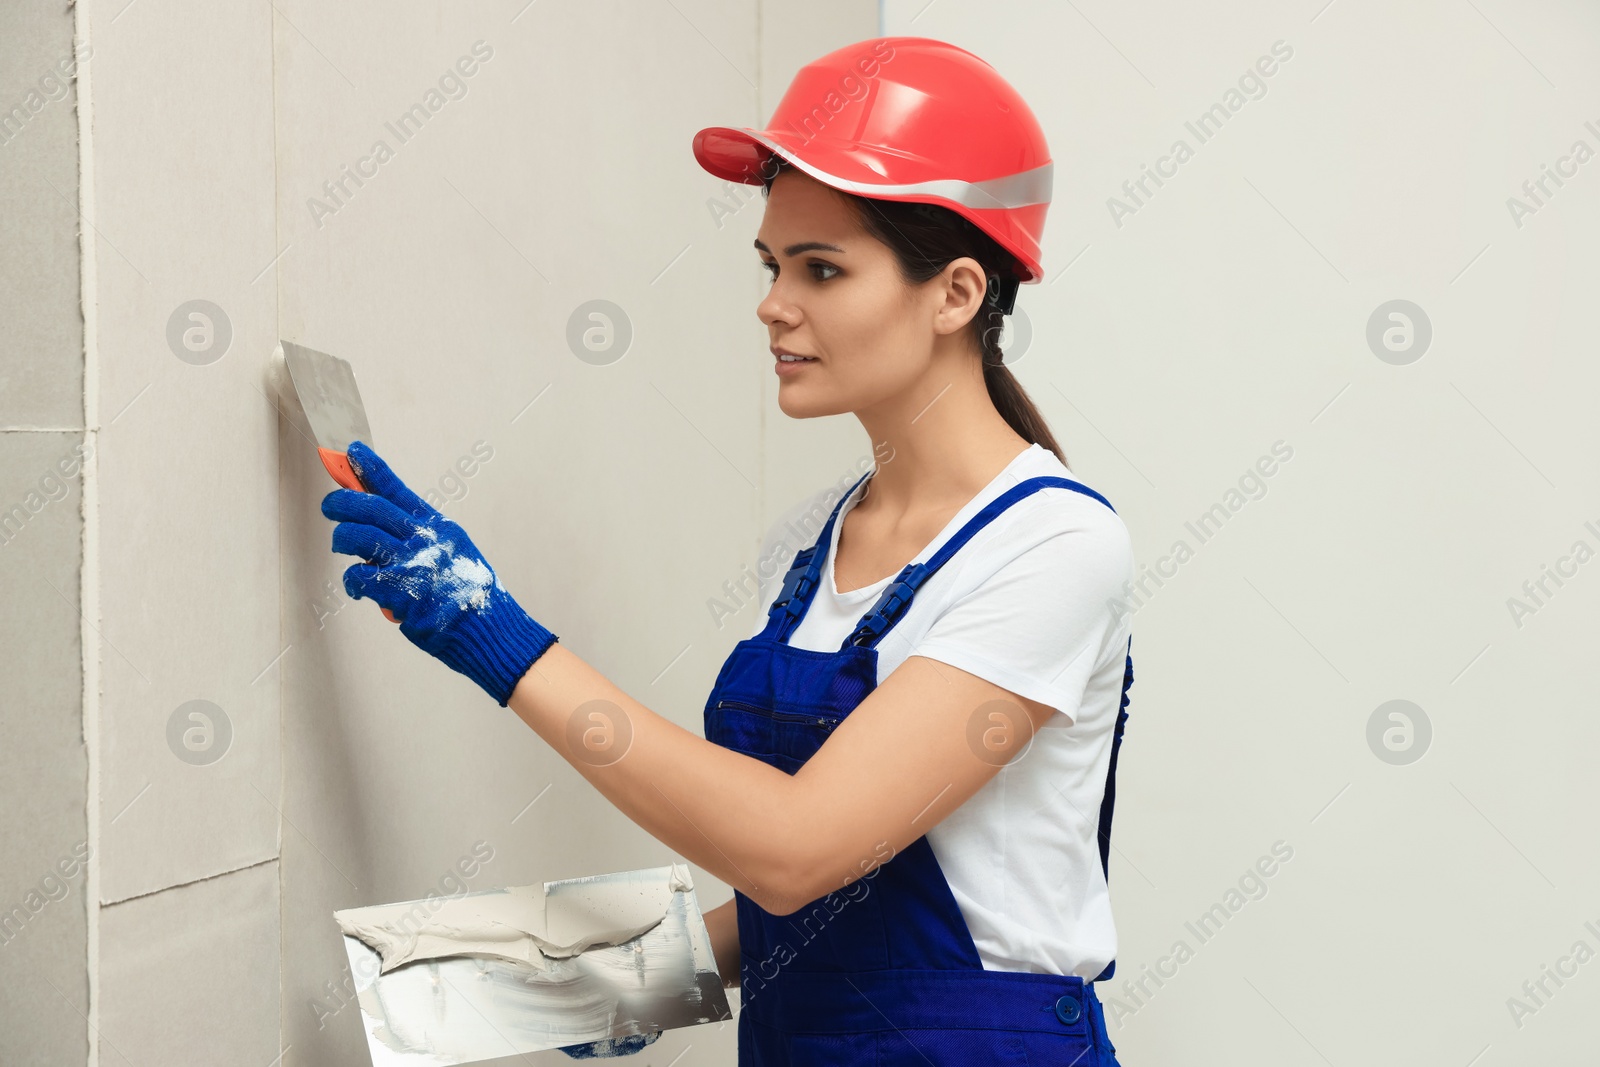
896,766
722,924
713,806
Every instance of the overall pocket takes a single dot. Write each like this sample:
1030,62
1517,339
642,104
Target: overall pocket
783,739
960,1048
842,930
831,1050
1068,1050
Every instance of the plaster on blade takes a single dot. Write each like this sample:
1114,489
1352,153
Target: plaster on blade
477,1004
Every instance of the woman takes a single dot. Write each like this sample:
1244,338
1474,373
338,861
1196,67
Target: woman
908,769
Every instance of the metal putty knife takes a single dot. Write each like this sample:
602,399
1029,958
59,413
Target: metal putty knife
463,1009
326,388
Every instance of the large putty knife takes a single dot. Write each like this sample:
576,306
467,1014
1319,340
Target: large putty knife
326,388
453,1009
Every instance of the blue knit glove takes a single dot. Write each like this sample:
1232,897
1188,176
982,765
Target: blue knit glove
432,578
611,1046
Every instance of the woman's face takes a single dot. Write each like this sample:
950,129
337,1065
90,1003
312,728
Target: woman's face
838,297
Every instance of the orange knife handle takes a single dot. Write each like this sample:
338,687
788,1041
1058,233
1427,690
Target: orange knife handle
338,465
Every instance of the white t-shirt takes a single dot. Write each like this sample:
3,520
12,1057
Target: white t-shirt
1026,605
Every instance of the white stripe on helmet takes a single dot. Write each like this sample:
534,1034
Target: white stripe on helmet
1009,191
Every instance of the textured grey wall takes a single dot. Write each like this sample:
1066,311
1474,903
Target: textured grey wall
43,761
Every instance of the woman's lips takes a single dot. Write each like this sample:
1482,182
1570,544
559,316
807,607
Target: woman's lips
791,366
783,366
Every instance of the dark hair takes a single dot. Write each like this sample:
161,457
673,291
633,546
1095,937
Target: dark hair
925,238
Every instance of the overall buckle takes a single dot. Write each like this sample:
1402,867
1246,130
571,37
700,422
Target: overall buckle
891,605
796,583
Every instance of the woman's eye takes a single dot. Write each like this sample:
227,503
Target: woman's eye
772,270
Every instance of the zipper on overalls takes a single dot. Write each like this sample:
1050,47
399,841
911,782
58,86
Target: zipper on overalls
782,716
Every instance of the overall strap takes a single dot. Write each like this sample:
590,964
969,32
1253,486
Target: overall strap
897,597
891,606
804,574
1110,799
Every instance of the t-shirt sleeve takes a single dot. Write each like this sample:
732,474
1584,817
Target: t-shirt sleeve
1040,624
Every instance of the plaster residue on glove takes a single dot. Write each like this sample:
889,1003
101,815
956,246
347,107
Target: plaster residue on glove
521,924
465,581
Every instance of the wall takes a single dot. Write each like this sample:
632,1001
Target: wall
614,492
44,764
1191,334
183,543
143,303
1183,331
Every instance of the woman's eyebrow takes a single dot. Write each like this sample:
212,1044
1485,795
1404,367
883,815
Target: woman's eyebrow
803,246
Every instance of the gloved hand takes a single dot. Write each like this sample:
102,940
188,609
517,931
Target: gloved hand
432,578
611,1046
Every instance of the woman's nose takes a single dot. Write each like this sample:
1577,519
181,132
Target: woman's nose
776,308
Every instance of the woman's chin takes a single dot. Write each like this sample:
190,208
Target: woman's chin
801,404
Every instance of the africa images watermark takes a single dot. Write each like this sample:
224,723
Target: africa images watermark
850,90
54,886
809,923
1136,992
451,884
797,534
48,89
54,485
1566,167
1536,992
1537,591
1210,123
452,86
1252,485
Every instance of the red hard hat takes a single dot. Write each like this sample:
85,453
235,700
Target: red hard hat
910,119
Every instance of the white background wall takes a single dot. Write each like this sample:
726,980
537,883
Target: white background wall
1170,350
1230,312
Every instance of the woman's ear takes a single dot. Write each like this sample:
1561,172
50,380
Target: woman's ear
965,285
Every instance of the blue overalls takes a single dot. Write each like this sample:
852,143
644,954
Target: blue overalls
883,972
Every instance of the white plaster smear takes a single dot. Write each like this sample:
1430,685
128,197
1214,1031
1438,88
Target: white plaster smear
520,923
461,578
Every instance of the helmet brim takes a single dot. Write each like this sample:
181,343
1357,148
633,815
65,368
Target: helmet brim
732,154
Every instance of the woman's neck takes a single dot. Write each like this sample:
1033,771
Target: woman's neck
943,448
